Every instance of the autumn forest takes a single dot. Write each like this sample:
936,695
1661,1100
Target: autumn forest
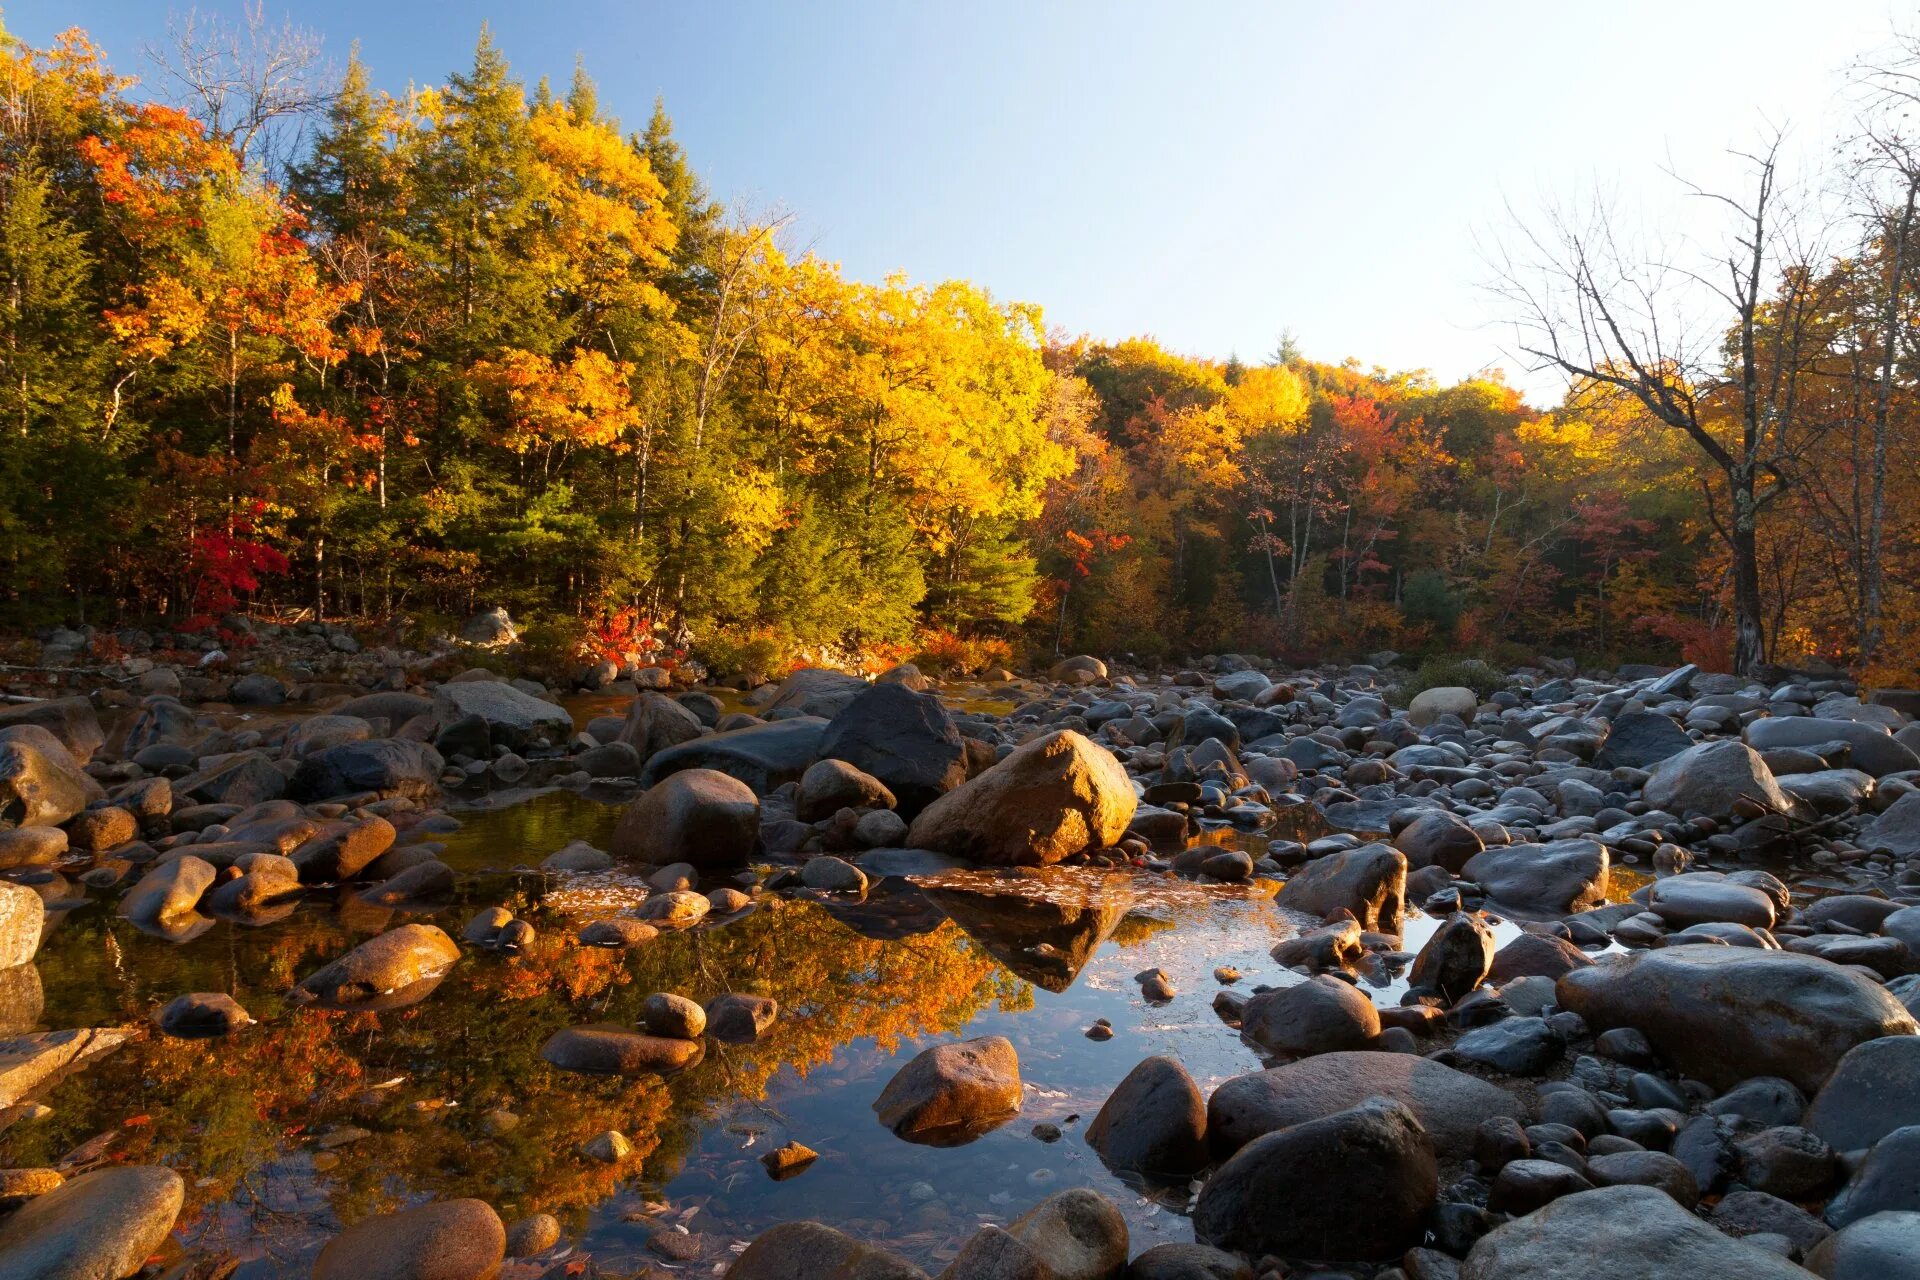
276,341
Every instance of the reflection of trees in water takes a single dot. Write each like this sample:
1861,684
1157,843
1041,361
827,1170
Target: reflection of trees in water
424,1080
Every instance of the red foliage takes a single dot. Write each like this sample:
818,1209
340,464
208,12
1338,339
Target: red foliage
223,564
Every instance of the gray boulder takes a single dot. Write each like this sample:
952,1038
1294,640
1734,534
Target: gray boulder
514,720
1617,1233
98,1226
1873,748
1710,777
1370,881
1874,1090
390,766
656,722
1885,1246
698,816
764,756
1154,1123
1549,879
1641,739
905,739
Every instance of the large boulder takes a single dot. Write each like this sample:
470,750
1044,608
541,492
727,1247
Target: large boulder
244,778
1077,1233
490,628
905,739
1897,828
390,971
699,816
1357,1184
23,916
1154,1123
1321,1015
1641,739
1370,881
445,1240
1618,1233
393,706
953,1093
811,1251
1438,838
41,784
1726,1014
1446,700
98,1226
764,756
816,691
1874,1090
1874,750
1449,1104
655,722
1710,778
171,891
514,720
1543,879
1053,797
389,766
70,720
1882,1246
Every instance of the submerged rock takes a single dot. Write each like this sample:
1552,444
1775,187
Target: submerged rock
397,968
953,1093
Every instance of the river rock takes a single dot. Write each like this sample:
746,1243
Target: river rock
1077,1233
1176,1261
816,691
1449,1104
1874,1090
1617,1233
1153,1123
1370,881
1640,740
811,1251
952,1093
1455,960
1888,1180
1055,796
1446,700
71,721
905,739
99,1226
698,816
616,1051
764,756
389,971
1321,1015
341,849
832,785
514,720
171,890
1709,779
1896,830
991,1253
1354,1185
445,1240
1549,879
1874,750
202,1015
656,722
41,784
389,766
1540,954
1726,1014
31,847
1706,898
1438,838
1885,1246
740,1017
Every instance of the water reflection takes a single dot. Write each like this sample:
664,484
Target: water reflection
311,1120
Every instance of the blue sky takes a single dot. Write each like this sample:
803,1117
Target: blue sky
1209,173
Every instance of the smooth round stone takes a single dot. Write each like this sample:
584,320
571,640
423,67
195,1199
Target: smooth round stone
100,1226
604,1050
620,931
203,1015
447,1240
674,1016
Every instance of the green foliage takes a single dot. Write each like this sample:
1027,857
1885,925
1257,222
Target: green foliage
1442,672
1428,599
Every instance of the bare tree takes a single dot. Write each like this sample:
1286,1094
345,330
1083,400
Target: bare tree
1718,349
253,86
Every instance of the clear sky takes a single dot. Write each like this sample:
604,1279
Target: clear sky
1208,173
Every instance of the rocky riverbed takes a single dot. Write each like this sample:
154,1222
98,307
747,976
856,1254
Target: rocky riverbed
1222,972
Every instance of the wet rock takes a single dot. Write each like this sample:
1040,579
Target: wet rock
953,1093
1540,954
22,920
654,723
1755,1213
1726,1014
99,1226
699,816
171,890
1449,1104
615,1051
1874,1090
675,1016
31,847
1077,1233
1617,1233
445,1240
1370,882
680,909
788,1159
1887,1180
1525,1185
41,785
906,740
993,1254
607,1147
202,1015
1153,1123
420,882
1357,1184
764,756
833,785
1885,1246
811,1251
1710,778
1705,897
833,875
618,932
1896,830
514,720
1765,1100
390,971
533,1234
341,850
388,766
1320,1015
1455,960
577,856
1057,795
1551,879
739,1017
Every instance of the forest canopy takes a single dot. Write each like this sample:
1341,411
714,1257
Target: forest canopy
343,354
